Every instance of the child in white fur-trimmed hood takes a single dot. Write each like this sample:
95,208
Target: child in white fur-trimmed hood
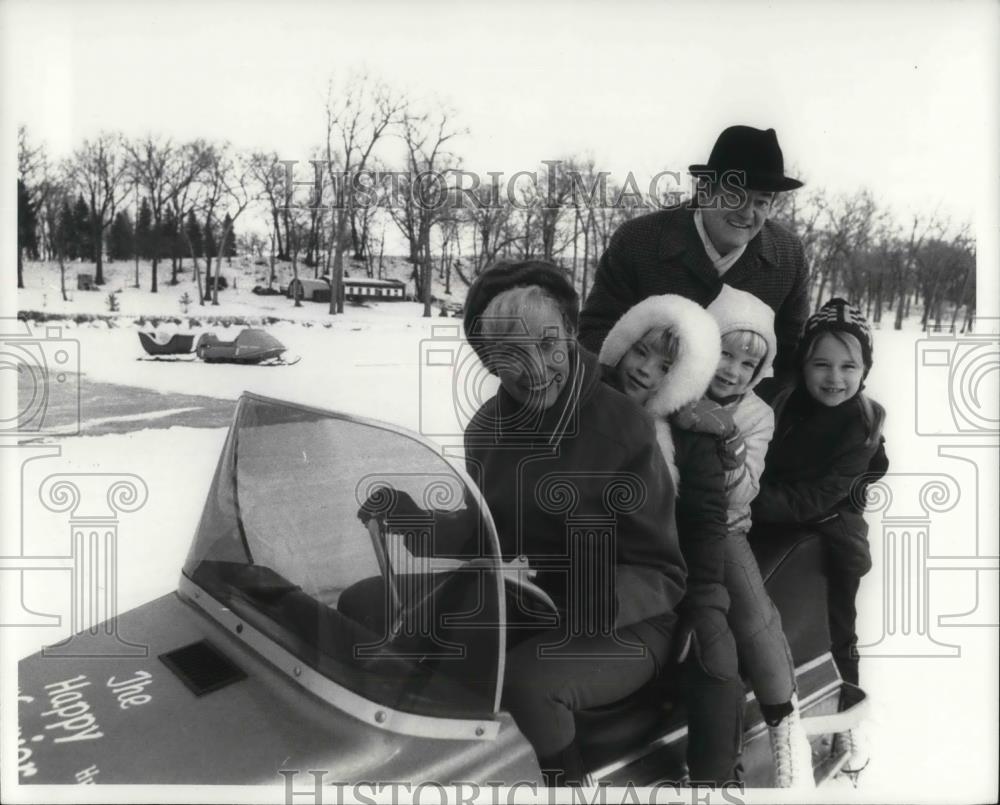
713,431
662,353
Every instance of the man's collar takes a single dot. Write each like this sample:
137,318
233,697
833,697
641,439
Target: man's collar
682,238
706,240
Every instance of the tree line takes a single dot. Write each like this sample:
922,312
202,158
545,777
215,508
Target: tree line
566,213
68,230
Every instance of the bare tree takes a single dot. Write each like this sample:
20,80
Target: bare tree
942,269
489,216
31,158
32,168
422,198
99,171
231,183
356,120
904,265
270,177
556,192
192,198
159,168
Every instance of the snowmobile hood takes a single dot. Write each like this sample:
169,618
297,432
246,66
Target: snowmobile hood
283,647
107,708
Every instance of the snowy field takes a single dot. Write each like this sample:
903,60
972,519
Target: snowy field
930,668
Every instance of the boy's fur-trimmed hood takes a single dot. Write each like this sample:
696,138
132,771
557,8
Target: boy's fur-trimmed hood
734,309
698,347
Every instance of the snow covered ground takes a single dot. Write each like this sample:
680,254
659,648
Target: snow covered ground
933,722
42,289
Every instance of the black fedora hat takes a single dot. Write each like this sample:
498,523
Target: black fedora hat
755,153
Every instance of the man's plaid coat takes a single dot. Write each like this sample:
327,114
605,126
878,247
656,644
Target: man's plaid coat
661,253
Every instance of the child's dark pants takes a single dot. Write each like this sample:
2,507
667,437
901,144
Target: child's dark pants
841,596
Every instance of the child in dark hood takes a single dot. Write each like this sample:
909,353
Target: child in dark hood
827,447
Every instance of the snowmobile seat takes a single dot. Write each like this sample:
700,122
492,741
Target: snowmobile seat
791,562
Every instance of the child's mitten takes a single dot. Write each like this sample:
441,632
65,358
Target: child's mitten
707,416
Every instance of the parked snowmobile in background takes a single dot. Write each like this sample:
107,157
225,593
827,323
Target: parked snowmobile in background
250,346
274,654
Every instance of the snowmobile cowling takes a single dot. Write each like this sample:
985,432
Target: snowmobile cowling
250,346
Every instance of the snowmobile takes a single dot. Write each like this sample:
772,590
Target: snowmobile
250,346
272,657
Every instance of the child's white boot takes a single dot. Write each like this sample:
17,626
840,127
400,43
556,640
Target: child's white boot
854,743
791,752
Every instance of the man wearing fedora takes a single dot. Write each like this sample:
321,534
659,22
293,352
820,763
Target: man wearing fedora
722,236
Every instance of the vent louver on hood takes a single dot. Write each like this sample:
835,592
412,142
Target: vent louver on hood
202,667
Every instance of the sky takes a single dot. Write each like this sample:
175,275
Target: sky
899,98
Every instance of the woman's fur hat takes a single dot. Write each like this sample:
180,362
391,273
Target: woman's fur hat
502,277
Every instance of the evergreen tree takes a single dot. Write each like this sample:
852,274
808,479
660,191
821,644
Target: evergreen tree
170,245
229,247
211,246
194,235
65,240
82,237
168,235
27,230
144,240
27,222
121,237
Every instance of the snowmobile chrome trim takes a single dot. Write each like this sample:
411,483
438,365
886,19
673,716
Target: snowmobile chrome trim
344,699
458,469
842,721
805,668
816,696
680,732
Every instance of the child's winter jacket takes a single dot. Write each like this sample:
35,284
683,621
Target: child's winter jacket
818,467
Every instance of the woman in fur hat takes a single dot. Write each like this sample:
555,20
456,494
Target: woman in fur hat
552,445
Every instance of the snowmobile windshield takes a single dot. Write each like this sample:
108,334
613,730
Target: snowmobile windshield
360,550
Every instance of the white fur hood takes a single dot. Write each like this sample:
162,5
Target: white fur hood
697,352
734,309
